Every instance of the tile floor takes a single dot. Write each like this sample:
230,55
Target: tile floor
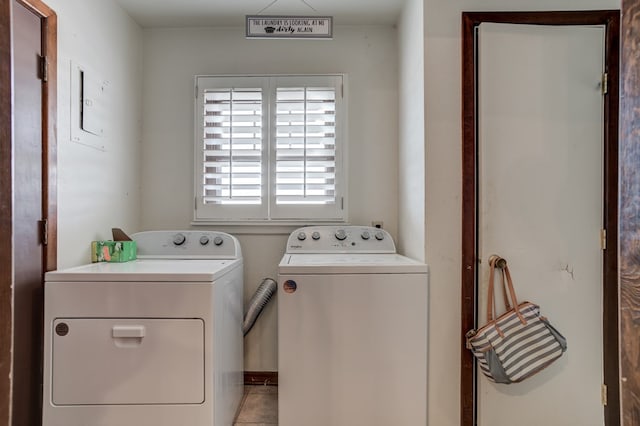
259,406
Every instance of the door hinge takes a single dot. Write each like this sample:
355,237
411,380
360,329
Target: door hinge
604,85
341,203
45,231
44,68
342,90
603,239
603,394
196,91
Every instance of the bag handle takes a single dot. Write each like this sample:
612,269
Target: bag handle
506,286
505,296
496,261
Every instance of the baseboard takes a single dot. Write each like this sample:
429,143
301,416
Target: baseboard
267,378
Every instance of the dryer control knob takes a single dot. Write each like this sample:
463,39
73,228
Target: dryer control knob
218,241
204,240
179,239
341,235
315,235
380,236
365,235
302,236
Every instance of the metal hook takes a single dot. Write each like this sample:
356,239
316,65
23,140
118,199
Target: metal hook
500,262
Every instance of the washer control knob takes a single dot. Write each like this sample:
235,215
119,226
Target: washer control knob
341,235
204,240
379,235
365,235
179,239
315,235
218,241
302,236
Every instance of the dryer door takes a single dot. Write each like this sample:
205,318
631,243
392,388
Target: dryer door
100,361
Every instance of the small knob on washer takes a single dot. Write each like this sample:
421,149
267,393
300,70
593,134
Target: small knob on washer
302,236
218,241
315,235
204,240
365,235
179,239
380,236
341,235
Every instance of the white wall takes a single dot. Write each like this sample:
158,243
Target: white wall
443,184
171,59
411,219
98,190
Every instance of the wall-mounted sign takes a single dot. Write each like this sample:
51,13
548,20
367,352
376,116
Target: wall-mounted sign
320,27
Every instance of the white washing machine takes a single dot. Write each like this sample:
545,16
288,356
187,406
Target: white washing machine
352,330
152,342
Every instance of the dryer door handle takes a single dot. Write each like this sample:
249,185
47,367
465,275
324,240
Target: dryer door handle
128,331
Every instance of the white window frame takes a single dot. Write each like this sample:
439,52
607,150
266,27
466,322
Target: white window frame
269,212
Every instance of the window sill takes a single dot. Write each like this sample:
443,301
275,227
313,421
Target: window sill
262,227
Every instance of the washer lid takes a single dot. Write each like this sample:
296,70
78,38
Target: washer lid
346,263
146,270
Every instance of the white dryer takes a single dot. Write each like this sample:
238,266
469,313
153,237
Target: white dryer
152,342
352,330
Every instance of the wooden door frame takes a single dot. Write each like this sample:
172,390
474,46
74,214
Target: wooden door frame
610,19
49,187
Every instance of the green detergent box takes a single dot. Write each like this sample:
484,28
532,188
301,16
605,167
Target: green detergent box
113,251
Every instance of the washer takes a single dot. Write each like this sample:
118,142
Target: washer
152,342
352,330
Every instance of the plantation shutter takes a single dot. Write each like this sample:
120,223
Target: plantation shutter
306,145
269,149
232,146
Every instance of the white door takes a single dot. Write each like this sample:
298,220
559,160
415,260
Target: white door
541,202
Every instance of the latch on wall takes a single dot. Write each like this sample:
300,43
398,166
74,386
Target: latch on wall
44,223
44,68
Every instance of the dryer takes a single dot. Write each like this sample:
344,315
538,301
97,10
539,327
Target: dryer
352,330
153,342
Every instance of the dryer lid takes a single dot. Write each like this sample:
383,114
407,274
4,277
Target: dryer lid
147,270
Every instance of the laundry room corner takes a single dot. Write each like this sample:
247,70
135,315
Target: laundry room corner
98,174
366,54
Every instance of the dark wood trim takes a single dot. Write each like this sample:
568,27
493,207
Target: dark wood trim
267,378
469,219
6,207
49,123
565,17
470,22
50,120
49,137
610,291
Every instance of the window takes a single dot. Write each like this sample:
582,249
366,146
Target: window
269,149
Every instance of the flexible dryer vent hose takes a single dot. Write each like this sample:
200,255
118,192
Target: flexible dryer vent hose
258,301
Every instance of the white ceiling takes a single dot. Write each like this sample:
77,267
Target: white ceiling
228,13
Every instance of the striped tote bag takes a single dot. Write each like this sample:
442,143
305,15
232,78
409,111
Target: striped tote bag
518,343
